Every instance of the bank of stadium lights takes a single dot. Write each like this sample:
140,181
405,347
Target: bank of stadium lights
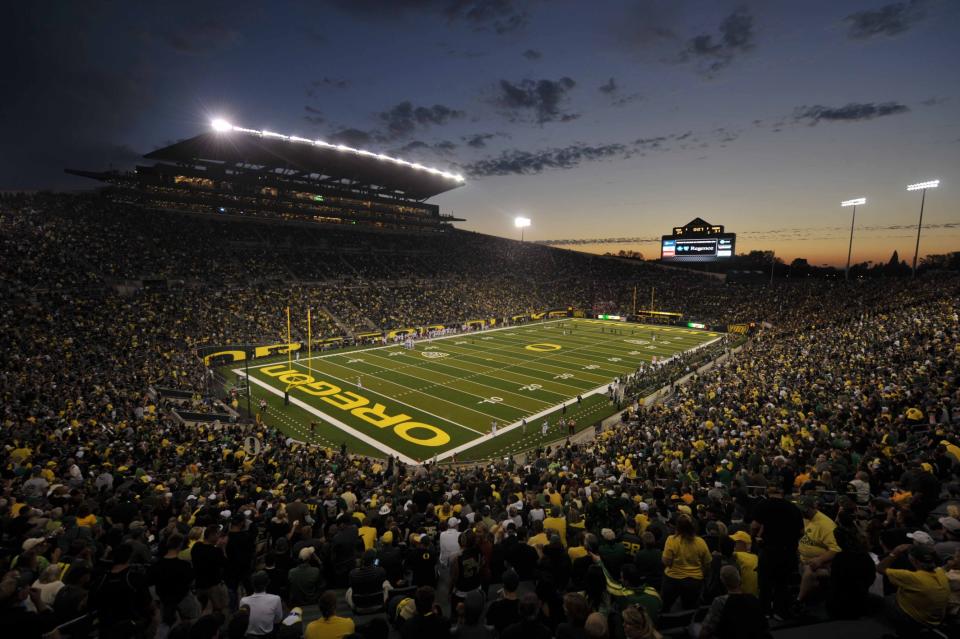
920,186
923,186
521,223
222,126
855,202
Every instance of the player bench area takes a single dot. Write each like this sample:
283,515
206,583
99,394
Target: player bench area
446,395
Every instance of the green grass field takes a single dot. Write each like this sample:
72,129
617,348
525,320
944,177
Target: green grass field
441,398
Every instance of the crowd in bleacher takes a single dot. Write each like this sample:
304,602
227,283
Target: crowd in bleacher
805,478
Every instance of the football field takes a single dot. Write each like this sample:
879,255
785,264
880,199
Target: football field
443,397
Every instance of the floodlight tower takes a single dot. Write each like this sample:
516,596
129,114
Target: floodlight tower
920,186
221,126
854,203
521,223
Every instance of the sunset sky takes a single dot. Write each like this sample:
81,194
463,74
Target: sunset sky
598,120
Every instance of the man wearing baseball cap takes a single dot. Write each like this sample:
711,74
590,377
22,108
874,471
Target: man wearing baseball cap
922,593
746,561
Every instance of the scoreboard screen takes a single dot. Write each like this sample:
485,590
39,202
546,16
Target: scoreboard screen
700,249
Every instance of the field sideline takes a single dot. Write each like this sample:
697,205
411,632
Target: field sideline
442,398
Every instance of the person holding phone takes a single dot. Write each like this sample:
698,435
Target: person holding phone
368,583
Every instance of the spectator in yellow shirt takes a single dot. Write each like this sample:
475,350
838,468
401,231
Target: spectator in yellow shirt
557,523
686,558
818,545
922,593
329,625
368,533
746,561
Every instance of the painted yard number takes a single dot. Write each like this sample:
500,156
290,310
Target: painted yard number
563,376
531,387
590,367
614,359
395,354
491,400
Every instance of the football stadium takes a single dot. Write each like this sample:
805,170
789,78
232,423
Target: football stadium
289,348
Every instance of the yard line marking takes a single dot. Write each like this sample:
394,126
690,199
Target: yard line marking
505,429
393,399
449,383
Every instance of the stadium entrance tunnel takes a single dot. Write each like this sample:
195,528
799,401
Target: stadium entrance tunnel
360,407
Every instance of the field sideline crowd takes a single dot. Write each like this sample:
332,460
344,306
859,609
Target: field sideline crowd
812,476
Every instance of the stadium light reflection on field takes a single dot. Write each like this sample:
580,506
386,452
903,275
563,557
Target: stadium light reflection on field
222,126
521,223
854,203
920,186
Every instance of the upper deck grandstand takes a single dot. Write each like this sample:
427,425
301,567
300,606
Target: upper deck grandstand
244,172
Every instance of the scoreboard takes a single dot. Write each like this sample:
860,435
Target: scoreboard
697,241
696,250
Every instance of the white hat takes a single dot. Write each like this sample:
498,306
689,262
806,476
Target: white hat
225,514
31,543
920,537
950,523
212,496
385,509
453,522
644,506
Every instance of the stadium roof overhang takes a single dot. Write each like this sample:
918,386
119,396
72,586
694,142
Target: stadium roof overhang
248,149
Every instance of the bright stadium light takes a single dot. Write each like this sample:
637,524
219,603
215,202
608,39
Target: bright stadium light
920,186
221,126
857,201
923,186
521,223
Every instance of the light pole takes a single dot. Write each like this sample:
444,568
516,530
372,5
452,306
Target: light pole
920,186
521,223
854,202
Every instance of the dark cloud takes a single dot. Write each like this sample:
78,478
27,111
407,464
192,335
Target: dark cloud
935,101
198,38
517,162
532,54
478,140
610,86
419,148
499,16
352,137
852,112
314,115
543,99
715,53
611,89
404,118
521,162
889,20
317,87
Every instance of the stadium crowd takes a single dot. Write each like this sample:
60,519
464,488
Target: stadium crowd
807,477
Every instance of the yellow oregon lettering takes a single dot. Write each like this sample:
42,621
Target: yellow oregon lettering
295,378
377,416
359,407
320,389
439,437
276,370
343,400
